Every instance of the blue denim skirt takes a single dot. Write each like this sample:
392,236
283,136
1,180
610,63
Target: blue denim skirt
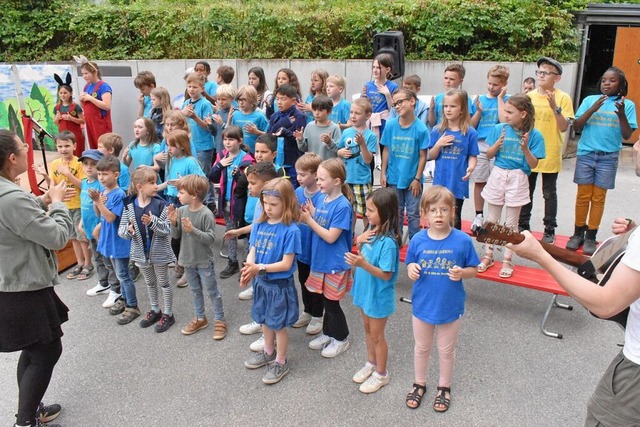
275,302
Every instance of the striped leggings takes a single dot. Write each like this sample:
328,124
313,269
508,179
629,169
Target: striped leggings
154,275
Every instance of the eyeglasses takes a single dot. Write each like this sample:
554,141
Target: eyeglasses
443,211
399,102
545,73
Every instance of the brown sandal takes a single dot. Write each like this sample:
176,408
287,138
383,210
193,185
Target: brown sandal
414,397
441,403
219,329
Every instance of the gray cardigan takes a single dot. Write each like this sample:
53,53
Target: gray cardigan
29,235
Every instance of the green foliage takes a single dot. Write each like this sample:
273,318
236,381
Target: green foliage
506,30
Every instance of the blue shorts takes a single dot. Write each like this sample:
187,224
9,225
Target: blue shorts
597,168
275,302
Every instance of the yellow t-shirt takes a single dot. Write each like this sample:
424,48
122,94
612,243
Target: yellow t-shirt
547,125
75,167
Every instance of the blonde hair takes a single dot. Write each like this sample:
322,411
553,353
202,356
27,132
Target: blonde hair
337,80
500,72
281,188
336,170
309,162
324,75
165,100
364,103
250,93
141,176
435,194
226,91
179,138
196,78
465,120
179,120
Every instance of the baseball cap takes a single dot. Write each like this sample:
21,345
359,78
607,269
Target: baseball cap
550,61
92,154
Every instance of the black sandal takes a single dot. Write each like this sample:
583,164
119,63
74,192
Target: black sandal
414,396
87,271
441,400
75,272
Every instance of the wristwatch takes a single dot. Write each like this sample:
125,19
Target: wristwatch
262,270
559,110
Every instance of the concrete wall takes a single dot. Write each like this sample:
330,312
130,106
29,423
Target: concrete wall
169,73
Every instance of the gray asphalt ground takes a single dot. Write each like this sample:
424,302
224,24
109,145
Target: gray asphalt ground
507,373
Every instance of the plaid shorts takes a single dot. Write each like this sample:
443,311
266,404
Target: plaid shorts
360,193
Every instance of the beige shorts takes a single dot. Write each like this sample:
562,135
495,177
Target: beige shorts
507,187
483,167
76,217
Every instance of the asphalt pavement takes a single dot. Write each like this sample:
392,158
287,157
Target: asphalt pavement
507,372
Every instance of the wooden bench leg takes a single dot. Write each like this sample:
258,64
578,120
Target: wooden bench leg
554,303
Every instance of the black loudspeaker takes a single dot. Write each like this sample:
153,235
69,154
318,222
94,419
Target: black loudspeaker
391,42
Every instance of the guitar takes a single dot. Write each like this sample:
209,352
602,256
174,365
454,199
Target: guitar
597,269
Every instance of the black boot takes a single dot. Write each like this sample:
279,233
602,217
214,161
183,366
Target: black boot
577,239
590,242
232,268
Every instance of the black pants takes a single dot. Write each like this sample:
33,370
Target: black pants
550,196
457,222
35,367
335,323
311,301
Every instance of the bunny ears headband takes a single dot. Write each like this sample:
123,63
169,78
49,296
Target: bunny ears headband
66,82
83,61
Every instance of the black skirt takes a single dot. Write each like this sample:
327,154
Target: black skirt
27,318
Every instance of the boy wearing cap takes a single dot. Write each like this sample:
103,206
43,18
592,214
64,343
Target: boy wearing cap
89,220
554,110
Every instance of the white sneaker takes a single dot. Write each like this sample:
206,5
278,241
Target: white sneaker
375,383
111,299
477,223
247,294
98,290
251,328
364,373
257,345
319,342
335,347
303,320
315,326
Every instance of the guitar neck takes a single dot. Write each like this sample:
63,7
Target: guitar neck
572,258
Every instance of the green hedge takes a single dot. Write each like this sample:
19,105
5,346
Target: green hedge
506,30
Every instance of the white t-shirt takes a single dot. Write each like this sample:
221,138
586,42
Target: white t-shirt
631,259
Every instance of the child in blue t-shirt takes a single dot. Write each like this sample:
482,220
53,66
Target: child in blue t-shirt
341,107
318,87
180,163
490,107
403,163
331,221
222,113
357,147
248,118
197,110
109,206
516,146
311,316
605,120
454,147
107,281
374,284
438,258
141,151
275,242
453,78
